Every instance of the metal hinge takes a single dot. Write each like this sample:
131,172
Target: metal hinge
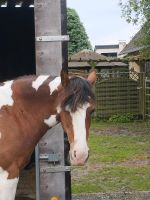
57,38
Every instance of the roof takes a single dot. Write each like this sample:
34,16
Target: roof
87,55
16,3
111,64
113,46
78,64
82,65
133,46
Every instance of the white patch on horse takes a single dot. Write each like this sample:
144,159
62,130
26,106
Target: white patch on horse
39,81
58,109
0,135
51,121
53,85
7,186
6,94
79,145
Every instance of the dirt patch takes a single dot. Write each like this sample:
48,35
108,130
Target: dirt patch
119,131
143,162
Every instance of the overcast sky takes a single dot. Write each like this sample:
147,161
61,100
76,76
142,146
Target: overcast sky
102,21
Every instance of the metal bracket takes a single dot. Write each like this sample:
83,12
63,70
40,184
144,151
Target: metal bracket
57,169
57,38
51,158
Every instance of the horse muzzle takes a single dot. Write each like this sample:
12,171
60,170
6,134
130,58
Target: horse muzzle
78,157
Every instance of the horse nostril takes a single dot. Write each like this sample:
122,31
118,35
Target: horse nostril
75,154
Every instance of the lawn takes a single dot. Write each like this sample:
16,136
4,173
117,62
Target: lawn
119,159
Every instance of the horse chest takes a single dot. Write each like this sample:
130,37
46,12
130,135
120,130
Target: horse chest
7,186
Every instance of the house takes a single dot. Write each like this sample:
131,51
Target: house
85,60
137,61
110,50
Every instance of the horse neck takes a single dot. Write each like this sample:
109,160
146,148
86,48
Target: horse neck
36,105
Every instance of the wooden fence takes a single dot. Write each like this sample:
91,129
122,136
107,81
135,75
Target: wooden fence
119,93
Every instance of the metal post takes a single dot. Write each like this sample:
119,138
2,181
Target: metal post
51,57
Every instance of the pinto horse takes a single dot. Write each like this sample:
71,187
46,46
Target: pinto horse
31,105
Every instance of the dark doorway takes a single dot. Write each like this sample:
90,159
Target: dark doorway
17,42
17,58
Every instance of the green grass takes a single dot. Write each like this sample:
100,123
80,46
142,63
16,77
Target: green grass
112,148
111,165
114,179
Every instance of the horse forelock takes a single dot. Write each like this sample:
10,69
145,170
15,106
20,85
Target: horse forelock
77,93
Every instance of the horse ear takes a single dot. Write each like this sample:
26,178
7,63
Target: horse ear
92,77
64,78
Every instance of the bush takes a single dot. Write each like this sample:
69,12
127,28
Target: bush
121,118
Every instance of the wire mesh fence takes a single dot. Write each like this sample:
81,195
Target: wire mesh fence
119,93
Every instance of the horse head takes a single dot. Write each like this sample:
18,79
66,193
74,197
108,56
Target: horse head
77,104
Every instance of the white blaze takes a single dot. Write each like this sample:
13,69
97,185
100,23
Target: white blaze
51,121
6,94
53,85
0,135
79,145
39,81
7,186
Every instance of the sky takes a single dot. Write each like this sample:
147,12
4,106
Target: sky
102,21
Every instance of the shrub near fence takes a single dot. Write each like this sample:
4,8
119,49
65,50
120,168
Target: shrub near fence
119,93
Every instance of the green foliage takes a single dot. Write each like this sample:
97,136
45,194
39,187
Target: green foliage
138,12
76,31
122,118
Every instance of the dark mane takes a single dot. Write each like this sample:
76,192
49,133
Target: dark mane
77,93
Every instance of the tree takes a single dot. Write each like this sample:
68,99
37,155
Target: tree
138,12
76,31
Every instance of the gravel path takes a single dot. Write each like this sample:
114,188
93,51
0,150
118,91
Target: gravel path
114,196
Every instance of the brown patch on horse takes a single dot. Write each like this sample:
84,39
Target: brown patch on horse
22,125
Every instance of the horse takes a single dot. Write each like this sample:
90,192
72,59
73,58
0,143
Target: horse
31,105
